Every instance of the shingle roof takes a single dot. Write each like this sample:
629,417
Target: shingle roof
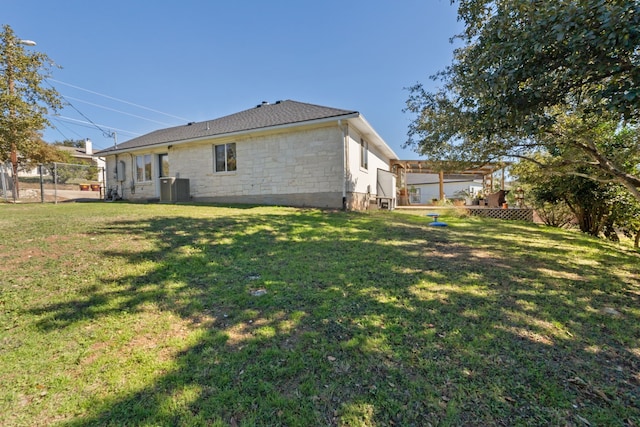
264,115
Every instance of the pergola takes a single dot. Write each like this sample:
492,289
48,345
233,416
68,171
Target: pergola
486,171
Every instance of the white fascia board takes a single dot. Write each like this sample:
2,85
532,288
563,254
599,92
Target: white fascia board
361,124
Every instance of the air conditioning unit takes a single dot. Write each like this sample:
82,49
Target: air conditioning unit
174,190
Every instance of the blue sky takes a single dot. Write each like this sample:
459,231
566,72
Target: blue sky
196,60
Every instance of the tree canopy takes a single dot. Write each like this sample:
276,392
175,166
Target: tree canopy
24,101
539,75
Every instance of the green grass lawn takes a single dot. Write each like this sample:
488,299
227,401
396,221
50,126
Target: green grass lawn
125,314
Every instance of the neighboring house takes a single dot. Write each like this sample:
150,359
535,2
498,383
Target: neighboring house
80,155
424,188
286,153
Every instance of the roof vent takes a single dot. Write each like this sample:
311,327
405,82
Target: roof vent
263,104
279,102
190,123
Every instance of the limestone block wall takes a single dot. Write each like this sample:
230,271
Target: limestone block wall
290,167
302,166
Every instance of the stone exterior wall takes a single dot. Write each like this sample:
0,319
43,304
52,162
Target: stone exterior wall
292,167
301,168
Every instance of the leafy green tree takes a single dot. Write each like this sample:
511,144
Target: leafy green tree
80,143
24,101
598,208
44,153
523,69
530,177
625,215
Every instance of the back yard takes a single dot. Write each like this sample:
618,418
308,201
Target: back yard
123,314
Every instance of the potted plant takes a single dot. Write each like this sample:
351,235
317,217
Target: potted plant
464,195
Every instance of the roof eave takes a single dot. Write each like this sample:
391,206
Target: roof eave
363,125
348,116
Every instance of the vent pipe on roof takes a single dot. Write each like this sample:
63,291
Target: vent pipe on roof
263,103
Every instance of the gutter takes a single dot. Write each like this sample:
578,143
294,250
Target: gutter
345,163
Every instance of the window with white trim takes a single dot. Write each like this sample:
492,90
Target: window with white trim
415,195
224,157
143,168
364,154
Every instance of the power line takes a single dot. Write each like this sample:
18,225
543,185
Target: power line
117,111
66,127
90,124
108,134
120,100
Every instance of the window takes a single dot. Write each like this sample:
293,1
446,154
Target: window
364,154
163,164
415,195
143,168
224,157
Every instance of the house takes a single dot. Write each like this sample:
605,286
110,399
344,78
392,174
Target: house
286,153
424,188
79,156
83,154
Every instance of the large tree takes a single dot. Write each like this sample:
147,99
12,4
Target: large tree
24,101
537,76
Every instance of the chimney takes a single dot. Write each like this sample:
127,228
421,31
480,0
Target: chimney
88,147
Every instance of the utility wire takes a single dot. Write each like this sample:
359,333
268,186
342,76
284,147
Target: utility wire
120,100
106,133
92,124
117,111
61,123
60,132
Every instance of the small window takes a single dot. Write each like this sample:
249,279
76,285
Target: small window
364,154
143,168
224,157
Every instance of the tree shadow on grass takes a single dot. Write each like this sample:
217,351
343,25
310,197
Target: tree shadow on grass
367,320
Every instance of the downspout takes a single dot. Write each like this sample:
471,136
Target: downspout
345,164
114,177
132,187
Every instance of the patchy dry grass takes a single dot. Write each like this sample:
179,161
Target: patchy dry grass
119,314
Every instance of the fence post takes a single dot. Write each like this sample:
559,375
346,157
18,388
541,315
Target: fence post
2,179
55,183
41,183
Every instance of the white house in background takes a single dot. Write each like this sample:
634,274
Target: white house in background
285,153
80,155
424,188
